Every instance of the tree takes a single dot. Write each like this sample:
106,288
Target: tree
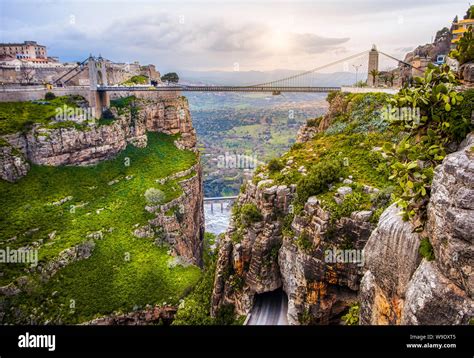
27,74
49,96
374,73
470,13
391,79
154,196
170,77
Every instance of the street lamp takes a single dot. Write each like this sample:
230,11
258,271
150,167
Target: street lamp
357,70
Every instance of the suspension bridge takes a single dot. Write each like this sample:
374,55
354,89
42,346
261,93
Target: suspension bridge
305,81
302,82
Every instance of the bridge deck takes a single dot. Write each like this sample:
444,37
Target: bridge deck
217,89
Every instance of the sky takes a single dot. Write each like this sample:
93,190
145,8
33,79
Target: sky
226,35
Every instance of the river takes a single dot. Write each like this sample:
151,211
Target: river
216,221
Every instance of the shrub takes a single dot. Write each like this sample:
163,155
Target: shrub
225,315
196,308
352,202
464,51
426,137
304,242
136,80
318,178
336,128
351,318
237,236
171,77
154,196
250,214
286,229
49,96
314,122
275,165
297,146
426,249
331,95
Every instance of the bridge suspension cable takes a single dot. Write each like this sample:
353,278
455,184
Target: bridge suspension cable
400,61
299,75
80,65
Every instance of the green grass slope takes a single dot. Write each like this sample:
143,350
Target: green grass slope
123,271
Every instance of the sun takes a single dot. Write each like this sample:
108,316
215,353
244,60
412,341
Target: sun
278,41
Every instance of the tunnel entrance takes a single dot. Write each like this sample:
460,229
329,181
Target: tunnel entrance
269,309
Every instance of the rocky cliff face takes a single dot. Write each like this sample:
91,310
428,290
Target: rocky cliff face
399,287
247,262
297,246
266,258
181,221
90,145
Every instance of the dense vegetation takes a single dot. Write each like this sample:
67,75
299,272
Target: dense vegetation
195,309
55,208
20,116
136,80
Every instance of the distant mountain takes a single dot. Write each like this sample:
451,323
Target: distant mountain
244,78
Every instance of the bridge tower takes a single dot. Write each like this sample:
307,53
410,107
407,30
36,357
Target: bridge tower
99,100
373,64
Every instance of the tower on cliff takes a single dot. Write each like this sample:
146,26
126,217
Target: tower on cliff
373,64
98,77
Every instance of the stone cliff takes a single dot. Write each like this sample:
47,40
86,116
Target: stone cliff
93,142
44,145
399,287
277,241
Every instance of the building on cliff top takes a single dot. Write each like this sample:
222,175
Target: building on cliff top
459,28
28,50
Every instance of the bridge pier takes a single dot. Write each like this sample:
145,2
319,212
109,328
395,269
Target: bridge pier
99,100
98,76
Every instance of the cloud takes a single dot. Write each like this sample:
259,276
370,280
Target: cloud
312,43
212,37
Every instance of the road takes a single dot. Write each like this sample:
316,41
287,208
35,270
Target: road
270,309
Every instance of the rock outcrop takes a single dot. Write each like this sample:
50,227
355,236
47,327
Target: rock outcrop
183,229
13,164
319,286
451,216
262,257
170,116
148,316
399,287
466,72
391,258
338,105
247,262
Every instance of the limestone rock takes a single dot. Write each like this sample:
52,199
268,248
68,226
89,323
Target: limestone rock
467,72
391,257
451,216
13,165
433,299
396,288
